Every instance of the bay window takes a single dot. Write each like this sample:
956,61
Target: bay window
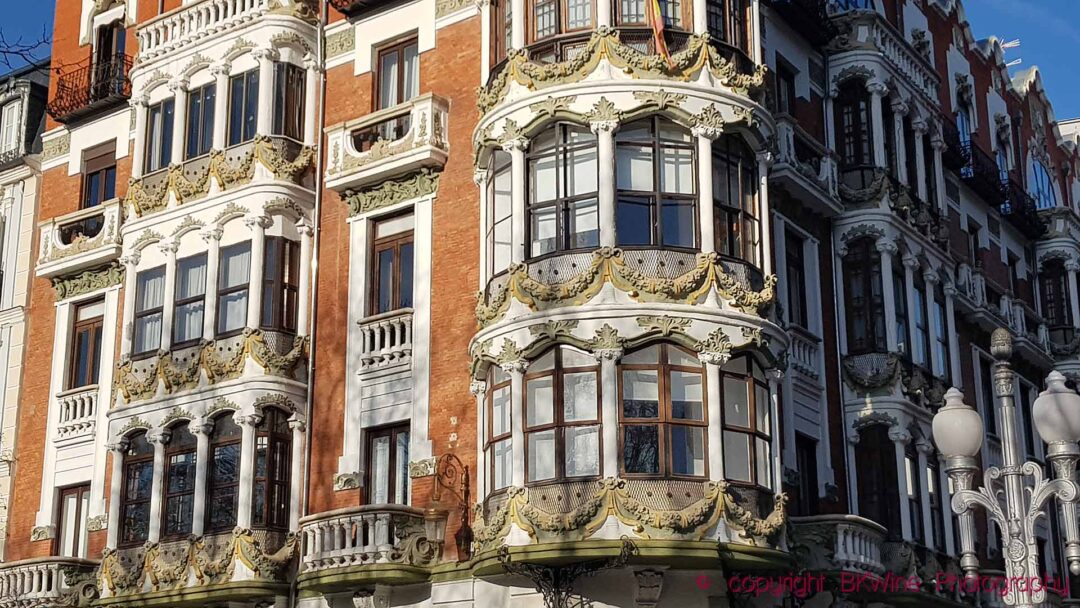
656,178
243,107
500,212
388,469
876,473
179,499
137,488
234,276
149,310
290,82
273,447
728,21
281,276
562,191
190,299
914,491
562,416
747,422
864,298
1054,284
223,480
921,354
735,200
498,446
86,345
551,17
200,121
941,333
159,135
854,139
662,414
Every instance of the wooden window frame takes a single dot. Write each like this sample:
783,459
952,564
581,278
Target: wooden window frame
212,486
392,431
397,45
664,420
248,88
492,439
853,103
94,367
202,147
271,519
937,504
922,332
754,433
172,451
130,462
941,339
289,101
149,312
560,150
495,170
864,253
283,286
392,242
807,503
915,507
100,160
80,519
178,301
166,126
226,291
740,164
785,74
795,257
562,19
558,423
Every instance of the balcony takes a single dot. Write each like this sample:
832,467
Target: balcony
196,21
389,143
805,168
78,412
90,87
981,173
386,340
373,543
838,543
1021,210
84,239
805,353
867,30
47,581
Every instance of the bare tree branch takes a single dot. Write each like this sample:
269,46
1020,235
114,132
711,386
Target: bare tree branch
22,50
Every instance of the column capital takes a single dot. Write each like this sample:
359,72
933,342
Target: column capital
924,446
139,101
478,387
775,374
258,221
479,177
877,88
179,85
765,157
211,234
119,447
1072,266
899,435
296,423
932,277
920,127
517,365
885,245
265,54
159,437
609,126
169,247
221,68
304,227
247,419
519,144
900,106
311,63
131,259
911,261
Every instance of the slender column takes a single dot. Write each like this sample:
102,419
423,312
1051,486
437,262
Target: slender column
265,119
955,376
130,262
609,406
201,429
480,178
775,376
212,236
180,95
938,145
311,87
247,423
605,149
853,483
701,16
516,369
169,249
830,120
516,148
911,264
138,155
877,90
765,211
603,13
296,475
221,104
158,440
304,282
715,429
116,486
485,44
900,110
926,450
517,26
900,438
931,279
887,249
1073,267
258,225
479,390
706,221
919,126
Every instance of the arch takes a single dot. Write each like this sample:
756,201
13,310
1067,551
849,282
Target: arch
1042,185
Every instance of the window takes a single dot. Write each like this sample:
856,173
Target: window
989,400
388,472
562,206
562,432
500,450
796,280
200,120
663,413
1023,403
972,241
159,135
550,17
914,491
243,106
399,73
149,309
785,87
735,201
270,496
179,483
633,12
86,345
1054,285
99,176
657,184
937,509
910,155
921,354
747,422
876,473
863,298
892,158
190,299
806,460
500,201
224,475
853,121
289,84
727,21
9,126
941,334
138,486
963,124
392,273
930,175
1041,186
903,345
234,277
281,279
71,522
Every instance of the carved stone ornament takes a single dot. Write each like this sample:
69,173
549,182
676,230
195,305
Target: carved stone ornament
56,147
422,468
340,43
87,281
392,192
97,523
347,481
372,598
650,583
872,371
42,533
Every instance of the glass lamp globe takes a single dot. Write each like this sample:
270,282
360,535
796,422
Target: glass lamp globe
958,429
1056,411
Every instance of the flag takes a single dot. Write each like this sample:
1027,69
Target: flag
656,16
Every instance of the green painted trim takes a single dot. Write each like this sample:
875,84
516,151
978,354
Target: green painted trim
194,596
331,579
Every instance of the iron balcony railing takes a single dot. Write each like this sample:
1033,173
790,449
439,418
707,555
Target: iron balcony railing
982,174
1020,209
92,86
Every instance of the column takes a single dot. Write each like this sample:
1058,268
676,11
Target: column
609,411
926,450
517,26
158,440
900,438
130,262
265,120
701,17
603,14
765,209
900,110
516,369
116,486
311,87
258,225
247,423
479,390
212,236
911,264
221,104
931,279
830,120
296,475
303,310
887,249
138,154
715,429
877,90
704,137
775,376
480,178
180,95
201,429
1073,267
919,126
939,176
605,150
169,249
516,148
485,41
955,376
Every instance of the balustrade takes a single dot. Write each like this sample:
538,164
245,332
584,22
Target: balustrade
196,21
386,339
78,411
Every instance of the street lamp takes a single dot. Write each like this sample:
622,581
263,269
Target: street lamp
958,432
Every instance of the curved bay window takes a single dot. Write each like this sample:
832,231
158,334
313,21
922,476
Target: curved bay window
562,416
662,417
735,189
875,468
1053,282
179,483
224,479
854,137
273,444
747,422
562,203
552,17
500,213
728,21
864,298
138,487
498,445
656,179
1041,186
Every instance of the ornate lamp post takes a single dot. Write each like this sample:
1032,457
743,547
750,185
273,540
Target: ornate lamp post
958,432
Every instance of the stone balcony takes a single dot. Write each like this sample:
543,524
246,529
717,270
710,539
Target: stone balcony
838,543
78,410
805,168
389,143
386,340
47,581
77,241
195,21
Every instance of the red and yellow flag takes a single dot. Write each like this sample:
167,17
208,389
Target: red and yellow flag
656,17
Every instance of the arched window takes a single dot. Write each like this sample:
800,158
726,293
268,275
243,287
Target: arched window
854,134
662,416
1053,281
500,213
551,17
224,478
562,175
562,415
1041,186
179,483
498,446
747,422
875,468
863,298
270,495
138,487
735,199
963,123
656,178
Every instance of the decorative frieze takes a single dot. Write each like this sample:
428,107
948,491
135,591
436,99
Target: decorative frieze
55,147
340,43
392,192
422,468
87,281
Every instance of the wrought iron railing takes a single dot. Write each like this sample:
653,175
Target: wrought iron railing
1020,209
95,84
981,173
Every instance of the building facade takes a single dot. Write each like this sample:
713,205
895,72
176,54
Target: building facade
445,303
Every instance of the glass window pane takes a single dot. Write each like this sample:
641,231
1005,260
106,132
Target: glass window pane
583,224
148,333
542,180
634,168
582,444
686,396
401,475
412,72
633,221
225,467
640,394
579,396
581,174
191,277
678,220
251,104
388,80
643,356
380,463
763,463
68,524
579,14
232,311
677,356
384,287
150,291
235,266
539,395
542,455
572,358
736,456
688,450
762,408
543,230
641,449
500,407
736,402
677,170
503,459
